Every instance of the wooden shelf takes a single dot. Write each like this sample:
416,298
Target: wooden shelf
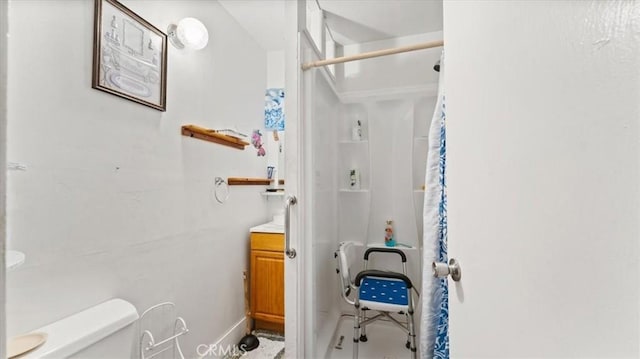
243,181
206,134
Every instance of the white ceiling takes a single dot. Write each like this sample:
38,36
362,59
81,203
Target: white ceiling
355,21
262,19
351,21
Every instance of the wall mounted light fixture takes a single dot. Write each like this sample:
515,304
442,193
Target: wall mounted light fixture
188,33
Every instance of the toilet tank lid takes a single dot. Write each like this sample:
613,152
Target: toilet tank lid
79,331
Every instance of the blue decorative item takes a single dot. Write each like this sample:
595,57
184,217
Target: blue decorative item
274,109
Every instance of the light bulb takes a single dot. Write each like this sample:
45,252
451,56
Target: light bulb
189,33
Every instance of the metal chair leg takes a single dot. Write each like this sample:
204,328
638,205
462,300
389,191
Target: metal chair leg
412,335
356,332
408,343
363,328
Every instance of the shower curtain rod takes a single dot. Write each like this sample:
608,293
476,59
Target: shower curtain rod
368,55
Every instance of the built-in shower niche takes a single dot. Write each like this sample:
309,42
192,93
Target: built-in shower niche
353,151
350,115
353,154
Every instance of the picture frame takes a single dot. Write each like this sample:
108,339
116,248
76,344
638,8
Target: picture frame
129,56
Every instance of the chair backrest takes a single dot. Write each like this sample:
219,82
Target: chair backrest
344,256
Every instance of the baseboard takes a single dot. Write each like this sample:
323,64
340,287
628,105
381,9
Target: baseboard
273,327
230,338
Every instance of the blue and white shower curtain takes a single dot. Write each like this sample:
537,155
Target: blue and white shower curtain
434,333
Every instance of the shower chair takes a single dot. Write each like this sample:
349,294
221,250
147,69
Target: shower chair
384,292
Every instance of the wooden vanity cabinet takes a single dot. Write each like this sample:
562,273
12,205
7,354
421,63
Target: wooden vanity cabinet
267,281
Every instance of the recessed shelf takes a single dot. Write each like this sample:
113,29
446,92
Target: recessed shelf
354,190
354,142
400,246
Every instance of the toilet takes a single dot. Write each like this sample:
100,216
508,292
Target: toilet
106,330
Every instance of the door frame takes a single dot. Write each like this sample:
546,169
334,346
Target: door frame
295,268
299,272
4,33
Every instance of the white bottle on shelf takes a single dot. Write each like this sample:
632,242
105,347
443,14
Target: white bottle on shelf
356,131
354,179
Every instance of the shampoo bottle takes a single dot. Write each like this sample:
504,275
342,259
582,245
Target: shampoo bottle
389,237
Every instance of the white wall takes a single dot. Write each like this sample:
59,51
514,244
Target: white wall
275,69
115,202
3,159
543,177
411,69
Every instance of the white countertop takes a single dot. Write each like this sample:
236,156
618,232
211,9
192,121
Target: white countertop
270,227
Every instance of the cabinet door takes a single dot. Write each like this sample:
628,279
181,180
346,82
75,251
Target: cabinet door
267,286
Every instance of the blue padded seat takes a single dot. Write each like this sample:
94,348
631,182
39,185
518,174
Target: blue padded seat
382,290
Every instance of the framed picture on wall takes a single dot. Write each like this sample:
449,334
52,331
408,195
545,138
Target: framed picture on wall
129,56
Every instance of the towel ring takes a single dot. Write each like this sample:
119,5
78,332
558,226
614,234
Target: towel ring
219,181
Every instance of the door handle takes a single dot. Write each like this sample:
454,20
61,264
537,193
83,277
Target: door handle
442,270
291,200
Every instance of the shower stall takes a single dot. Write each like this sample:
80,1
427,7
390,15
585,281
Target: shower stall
359,161
541,165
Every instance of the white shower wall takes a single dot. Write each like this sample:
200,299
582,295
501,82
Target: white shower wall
401,72
3,160
391,159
